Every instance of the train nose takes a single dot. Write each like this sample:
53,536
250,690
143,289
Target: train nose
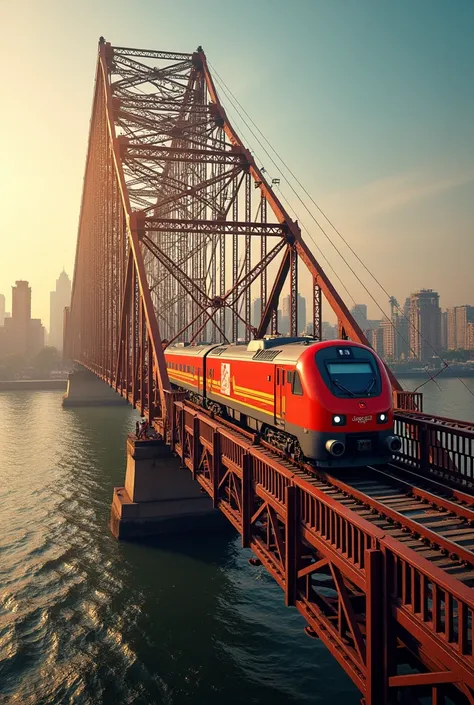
336,448
394,443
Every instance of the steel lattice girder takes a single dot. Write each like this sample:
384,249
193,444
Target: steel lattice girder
168,180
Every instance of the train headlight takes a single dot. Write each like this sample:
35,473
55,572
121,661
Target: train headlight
383,417
338,420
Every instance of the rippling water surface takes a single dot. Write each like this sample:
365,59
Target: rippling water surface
87,620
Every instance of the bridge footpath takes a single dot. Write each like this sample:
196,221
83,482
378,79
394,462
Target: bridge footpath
383,575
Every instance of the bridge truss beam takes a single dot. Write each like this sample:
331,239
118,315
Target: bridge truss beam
179,230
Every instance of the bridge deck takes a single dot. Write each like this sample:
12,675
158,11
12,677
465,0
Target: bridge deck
380,564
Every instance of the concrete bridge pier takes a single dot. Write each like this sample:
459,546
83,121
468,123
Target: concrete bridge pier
159,497
84,388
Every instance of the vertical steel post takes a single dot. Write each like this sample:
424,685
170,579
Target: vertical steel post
293,292
216,467
263,253
376,609
247,499
317,311
291,545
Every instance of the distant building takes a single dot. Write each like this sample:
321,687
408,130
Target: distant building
18,325
458,319
284,314
389,340
464,316
451,329
328,331
256,311
23,335
2,309
36,334
444,330
375,337
59,299
470,336
359,312
425,324
403,332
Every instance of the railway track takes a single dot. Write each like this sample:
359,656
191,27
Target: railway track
439,528
434,520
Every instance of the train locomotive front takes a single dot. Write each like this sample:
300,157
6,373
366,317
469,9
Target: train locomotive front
327,402
347,419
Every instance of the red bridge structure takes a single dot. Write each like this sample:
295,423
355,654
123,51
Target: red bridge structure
178,229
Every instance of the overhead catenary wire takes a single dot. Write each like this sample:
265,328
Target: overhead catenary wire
223,87
230,96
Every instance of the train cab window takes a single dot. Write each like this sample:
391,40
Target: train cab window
297,389
352,379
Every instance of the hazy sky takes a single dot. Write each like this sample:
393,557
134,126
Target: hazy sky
370,102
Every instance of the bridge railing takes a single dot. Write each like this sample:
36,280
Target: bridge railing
436,445
309,541
434,607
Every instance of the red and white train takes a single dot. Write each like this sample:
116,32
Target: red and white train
329,402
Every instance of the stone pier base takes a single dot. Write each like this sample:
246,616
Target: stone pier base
159,496
84,388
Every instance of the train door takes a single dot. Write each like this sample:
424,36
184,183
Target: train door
280,401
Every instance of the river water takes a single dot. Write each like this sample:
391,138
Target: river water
87,620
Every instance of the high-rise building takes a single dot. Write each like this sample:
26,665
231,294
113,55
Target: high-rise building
444,330
256,311
284,315
21,302
59,299
389,339
359,311
425,324
464,316
451,328
328,332
403,336
2,309
375,336
18,324
470,336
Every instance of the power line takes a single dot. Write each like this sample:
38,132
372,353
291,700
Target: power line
227,90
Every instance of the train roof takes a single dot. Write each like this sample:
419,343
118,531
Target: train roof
284,350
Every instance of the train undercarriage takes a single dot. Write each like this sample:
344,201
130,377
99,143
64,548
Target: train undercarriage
276,437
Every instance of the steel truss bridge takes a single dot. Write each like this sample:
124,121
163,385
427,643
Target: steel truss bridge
178,230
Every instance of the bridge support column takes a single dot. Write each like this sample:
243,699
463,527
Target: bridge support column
84,388
159,496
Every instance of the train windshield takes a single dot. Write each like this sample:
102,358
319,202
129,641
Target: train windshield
352,379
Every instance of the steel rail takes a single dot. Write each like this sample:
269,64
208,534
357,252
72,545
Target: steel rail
382,510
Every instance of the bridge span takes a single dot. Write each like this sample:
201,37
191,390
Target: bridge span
178,228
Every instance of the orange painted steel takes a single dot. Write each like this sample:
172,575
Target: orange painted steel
168,181
376,604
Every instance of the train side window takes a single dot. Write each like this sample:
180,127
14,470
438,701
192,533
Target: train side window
297,388
289,377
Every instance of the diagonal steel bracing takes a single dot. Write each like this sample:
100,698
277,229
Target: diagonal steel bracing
179,230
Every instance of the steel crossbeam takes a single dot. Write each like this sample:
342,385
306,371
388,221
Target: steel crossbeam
168,181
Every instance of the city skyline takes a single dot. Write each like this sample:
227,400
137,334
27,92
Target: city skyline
62,290
385,147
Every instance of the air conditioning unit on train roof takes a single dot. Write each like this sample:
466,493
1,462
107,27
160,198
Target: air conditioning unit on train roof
271,341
